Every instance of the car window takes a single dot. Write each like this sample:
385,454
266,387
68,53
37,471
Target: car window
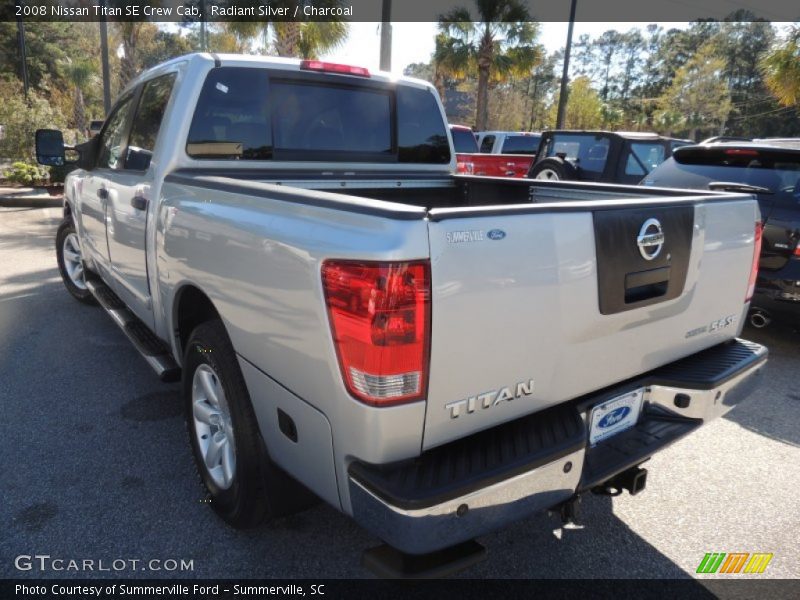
147,121
421,133
487,143
231,119
330,118
249,114
588,152
643,157
464,141
112,138
521,144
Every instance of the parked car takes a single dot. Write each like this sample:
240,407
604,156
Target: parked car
94,128
471,162
772,173
508,142
601,156
347,316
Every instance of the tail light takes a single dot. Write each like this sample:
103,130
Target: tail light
797,249
329,67
380,321
751,286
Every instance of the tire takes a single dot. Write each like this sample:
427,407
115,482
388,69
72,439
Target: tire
257,489
70,262
553,168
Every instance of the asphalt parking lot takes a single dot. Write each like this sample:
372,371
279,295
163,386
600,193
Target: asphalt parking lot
96,465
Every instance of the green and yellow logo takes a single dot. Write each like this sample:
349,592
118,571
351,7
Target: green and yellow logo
734,562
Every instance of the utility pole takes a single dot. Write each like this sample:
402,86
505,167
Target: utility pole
22,52
203,32
104,59
386,36
562,97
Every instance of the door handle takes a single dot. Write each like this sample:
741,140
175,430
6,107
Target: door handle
102,193
139,202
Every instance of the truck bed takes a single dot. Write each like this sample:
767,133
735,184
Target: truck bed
436,191
534,281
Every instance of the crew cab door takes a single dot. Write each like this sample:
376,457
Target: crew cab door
94,187
130,192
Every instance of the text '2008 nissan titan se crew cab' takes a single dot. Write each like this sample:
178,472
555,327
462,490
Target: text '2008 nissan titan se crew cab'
435,355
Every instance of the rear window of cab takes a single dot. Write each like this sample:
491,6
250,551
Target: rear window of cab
246,113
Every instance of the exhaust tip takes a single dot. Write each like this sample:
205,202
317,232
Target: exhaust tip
760,319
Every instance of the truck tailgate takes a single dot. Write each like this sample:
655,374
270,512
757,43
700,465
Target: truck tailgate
536,305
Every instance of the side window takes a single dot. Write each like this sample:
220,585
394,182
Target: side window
487,143
643,158
421,133
113,136
147,122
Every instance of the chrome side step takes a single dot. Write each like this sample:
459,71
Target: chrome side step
154,351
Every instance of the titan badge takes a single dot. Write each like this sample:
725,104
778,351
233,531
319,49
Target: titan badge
489,399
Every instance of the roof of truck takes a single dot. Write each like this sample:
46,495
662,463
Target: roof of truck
275,62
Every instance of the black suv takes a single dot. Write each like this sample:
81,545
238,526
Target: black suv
771,171
604,156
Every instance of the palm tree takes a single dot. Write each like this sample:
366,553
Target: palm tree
499,45
247,31
781,69
319,37
451,60
79,73
306,39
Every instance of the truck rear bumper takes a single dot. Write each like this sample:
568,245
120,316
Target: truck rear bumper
481,483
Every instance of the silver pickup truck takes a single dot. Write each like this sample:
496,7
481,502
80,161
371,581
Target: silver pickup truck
435,355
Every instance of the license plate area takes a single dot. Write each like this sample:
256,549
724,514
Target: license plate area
614,416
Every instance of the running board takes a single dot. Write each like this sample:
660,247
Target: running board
154,351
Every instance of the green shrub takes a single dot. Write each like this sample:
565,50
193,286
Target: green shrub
21,118
58,174
26,174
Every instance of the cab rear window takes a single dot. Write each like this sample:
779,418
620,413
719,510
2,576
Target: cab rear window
255,114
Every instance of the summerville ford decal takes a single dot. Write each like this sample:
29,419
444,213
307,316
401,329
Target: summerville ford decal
474,235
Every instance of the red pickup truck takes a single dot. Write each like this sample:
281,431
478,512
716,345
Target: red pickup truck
472,162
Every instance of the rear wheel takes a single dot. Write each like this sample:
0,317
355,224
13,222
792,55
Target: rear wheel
244,485
553,169
70,262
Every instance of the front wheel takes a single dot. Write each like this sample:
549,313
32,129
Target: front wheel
70,262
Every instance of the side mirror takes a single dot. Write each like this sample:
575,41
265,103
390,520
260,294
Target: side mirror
50,147
50,150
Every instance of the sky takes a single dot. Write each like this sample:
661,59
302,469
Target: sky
413,42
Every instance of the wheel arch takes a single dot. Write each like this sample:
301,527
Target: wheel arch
191,306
